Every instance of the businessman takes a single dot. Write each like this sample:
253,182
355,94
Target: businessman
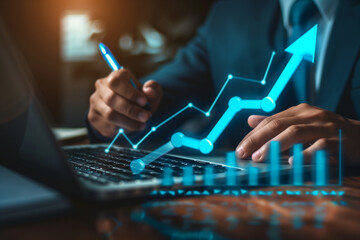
237,38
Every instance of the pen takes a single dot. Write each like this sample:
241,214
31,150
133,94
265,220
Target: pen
114,65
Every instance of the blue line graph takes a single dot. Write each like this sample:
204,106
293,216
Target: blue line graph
190,106
302,49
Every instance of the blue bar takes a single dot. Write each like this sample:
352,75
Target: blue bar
320,168
188,177
253,175
230,171
274,163
209,176
167,177
298,165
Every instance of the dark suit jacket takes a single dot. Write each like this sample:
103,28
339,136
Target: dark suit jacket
238,38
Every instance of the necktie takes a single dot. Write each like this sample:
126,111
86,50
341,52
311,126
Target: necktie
303,15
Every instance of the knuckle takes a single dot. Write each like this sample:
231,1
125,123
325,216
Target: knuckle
92,99
276,124
303,105
321,114
131,110
294,130
97,84
91,116
111,80
108,113
323,143
251,141
267,120
332,127
109,98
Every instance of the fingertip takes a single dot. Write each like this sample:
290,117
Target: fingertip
150,89
251,120
257,156
291,160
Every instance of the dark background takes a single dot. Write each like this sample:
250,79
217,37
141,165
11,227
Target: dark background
65,85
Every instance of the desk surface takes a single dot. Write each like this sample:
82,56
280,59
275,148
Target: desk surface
285,216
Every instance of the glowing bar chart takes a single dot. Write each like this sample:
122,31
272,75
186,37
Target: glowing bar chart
253,175
297,165
167,177
274,163
188,177
320,168
209,176
231,171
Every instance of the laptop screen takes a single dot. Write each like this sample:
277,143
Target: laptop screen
26,142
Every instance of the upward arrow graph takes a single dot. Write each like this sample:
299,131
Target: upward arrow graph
302,49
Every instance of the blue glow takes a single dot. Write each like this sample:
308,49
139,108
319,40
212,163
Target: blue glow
138,165
302,48
236,104
320,168
188,179
109,57
239,192
205,146
267,104
189,105
305,45
231,171
253,175
209,176
167,177
298,165
274,163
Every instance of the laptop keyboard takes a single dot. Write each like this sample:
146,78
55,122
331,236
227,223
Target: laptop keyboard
114,167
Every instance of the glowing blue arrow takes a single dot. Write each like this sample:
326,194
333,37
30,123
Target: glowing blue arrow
302,48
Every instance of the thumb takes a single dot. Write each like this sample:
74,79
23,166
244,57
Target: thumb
153,92
255,120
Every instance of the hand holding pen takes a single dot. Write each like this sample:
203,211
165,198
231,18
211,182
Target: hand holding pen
120,101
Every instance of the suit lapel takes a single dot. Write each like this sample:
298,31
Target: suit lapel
341,54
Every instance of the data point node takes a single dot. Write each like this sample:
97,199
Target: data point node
235,103
207,114
190,105
153,129
176,139
205,146
135,146
121,130
263,82
230,76
137,166
267,104
107,150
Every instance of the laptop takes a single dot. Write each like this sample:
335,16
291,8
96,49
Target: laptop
28,146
